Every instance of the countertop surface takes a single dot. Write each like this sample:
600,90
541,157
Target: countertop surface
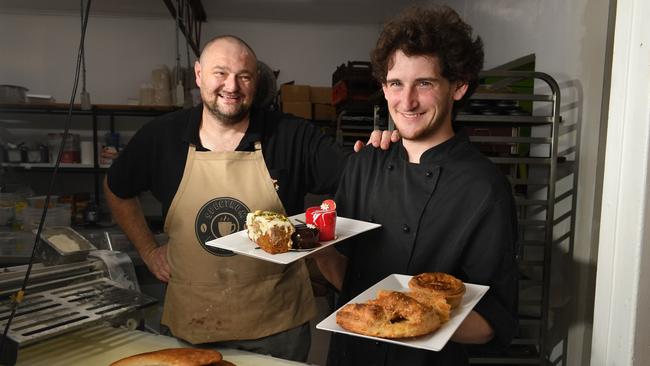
19,250
102,344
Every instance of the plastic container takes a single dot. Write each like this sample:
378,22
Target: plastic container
71,148
16,154
7,243
160,79
8,208
39,201
56,216
13,94
8,199
146,94
38,154
87,154
7,214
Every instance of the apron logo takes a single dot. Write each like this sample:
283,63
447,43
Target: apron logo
220,217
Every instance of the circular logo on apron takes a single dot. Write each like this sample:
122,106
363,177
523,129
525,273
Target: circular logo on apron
220,217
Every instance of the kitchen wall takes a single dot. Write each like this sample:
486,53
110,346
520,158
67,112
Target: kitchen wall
569,41
39,51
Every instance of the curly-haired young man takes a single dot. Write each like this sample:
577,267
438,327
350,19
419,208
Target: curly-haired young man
443,206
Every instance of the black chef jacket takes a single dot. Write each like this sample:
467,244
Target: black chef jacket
296,153
452,213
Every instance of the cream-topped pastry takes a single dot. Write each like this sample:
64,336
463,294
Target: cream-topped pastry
271,231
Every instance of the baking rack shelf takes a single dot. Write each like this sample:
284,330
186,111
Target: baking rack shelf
97,113
519,131
51,312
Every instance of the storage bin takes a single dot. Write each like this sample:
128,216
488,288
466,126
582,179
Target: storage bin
56,216
7,214
39,201
7,243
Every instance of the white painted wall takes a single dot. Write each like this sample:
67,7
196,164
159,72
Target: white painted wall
39,51
568,39
622,330
306,53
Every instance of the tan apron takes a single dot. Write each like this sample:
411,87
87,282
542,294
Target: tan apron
217,296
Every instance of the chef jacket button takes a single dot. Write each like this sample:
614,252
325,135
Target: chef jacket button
429,174
390,166
406,228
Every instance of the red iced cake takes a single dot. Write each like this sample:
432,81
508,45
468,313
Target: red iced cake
324,218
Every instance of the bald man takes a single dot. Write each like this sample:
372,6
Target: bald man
209,166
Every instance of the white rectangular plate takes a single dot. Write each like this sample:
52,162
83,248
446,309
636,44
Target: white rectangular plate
434,341
240,243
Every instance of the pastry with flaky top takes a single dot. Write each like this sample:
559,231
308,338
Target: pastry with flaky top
391,315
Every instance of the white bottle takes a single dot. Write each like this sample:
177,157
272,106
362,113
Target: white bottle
180,94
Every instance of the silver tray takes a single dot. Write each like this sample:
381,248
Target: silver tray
51,251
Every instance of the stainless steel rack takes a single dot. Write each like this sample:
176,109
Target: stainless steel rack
97,113
63,298
543,178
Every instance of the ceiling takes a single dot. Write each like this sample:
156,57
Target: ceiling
303,11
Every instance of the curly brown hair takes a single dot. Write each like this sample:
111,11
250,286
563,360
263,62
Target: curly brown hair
431,31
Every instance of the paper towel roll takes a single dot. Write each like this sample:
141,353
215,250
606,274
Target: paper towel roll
87,152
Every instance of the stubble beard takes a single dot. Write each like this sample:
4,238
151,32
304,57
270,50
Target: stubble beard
229,118
433,127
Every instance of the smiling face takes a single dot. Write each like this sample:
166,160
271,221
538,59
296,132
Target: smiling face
226,74
420,99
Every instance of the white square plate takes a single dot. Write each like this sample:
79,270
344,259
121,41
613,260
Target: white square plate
240,243
434,341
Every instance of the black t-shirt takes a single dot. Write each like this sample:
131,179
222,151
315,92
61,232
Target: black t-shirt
296,153
452,213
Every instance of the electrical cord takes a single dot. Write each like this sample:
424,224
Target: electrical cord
18,296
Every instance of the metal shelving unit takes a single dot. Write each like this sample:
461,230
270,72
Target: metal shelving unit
96,113
543,180
349,128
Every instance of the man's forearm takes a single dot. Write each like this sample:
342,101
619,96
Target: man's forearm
473,330
129,216
332,265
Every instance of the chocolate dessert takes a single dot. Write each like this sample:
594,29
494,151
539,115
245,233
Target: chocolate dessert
305,237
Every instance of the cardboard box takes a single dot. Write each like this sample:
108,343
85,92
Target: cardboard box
294,93
321,94
298,109
324,112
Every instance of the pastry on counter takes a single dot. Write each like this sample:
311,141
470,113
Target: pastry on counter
173,357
